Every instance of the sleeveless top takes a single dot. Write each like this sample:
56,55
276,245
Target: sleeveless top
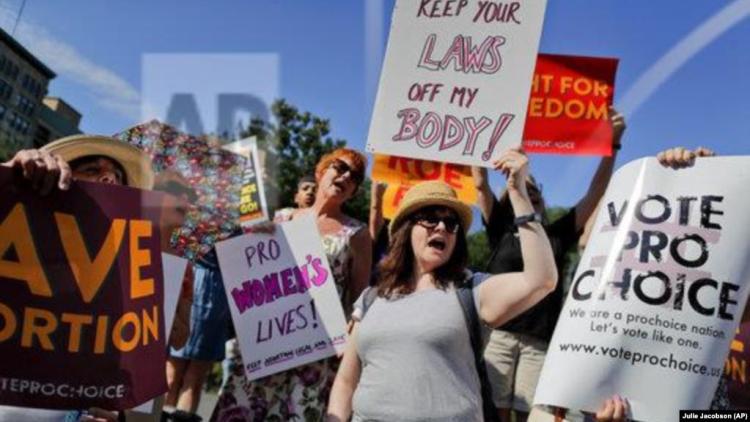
338,249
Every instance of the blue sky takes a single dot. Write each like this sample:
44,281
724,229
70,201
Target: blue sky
328,62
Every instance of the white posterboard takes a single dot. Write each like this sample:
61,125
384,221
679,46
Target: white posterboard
456,79
173,268
282,296
658,293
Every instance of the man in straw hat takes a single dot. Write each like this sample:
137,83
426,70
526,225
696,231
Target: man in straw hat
88,158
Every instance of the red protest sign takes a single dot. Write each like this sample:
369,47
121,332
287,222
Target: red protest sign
569,106
80,296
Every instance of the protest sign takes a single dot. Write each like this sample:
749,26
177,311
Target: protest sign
174,271
282,296
735,368
658,293
214,174
456,79
569,106
81,287
402,173
252,205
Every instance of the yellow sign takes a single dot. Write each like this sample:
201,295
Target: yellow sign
402,173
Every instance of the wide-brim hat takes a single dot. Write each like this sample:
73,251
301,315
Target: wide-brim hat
428,194
136,163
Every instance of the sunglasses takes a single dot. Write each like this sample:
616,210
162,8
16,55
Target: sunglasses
177,189
431,221
341,167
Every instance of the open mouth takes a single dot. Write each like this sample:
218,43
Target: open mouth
339,184
438,244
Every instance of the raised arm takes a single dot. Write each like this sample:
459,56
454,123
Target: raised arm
503,296
347,378
485,199
598,186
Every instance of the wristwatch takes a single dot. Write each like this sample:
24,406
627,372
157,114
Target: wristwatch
534,217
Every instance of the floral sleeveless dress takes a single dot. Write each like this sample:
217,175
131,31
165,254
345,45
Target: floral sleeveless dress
299,394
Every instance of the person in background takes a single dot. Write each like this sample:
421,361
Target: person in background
302,393
516,351
174,208
88,158
409,356
303,198
378,224
209,331
185,377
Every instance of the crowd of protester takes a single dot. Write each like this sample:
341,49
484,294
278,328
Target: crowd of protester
416,343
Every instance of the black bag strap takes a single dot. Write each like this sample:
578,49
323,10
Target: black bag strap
465,295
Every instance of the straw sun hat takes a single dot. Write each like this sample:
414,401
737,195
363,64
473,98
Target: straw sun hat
429,194
135,162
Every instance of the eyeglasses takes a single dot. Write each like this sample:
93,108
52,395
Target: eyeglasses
431,221
342,167
177,189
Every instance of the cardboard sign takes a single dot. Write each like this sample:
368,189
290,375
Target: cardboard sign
659,291
253,206
282,297
456,79
569,106
81,320
402,173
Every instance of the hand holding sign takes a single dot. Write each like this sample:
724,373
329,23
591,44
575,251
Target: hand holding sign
514,164
680,157
43,169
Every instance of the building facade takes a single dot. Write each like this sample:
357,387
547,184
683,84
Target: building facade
57,119
23,85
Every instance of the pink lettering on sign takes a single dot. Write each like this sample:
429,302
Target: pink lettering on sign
451,131
273,286
465,56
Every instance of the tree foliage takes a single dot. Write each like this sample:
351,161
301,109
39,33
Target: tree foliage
295,142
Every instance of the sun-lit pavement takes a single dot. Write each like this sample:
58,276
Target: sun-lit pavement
208,402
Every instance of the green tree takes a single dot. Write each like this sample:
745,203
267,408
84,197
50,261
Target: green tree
295,141
479,250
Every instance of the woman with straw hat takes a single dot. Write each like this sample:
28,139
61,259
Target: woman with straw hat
88,158
409,356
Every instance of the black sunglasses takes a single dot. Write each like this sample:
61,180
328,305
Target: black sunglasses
342,167
431,220
177,189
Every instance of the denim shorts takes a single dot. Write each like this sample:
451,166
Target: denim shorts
209,318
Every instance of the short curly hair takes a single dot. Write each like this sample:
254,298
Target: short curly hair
358,160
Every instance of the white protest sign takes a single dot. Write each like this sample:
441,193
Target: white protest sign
456,79
173,269
282,297
658,293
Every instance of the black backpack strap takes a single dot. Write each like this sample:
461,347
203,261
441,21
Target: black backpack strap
465,295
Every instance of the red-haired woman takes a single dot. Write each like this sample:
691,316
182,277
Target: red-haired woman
301,393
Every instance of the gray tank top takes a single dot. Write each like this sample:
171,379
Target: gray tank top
417,362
